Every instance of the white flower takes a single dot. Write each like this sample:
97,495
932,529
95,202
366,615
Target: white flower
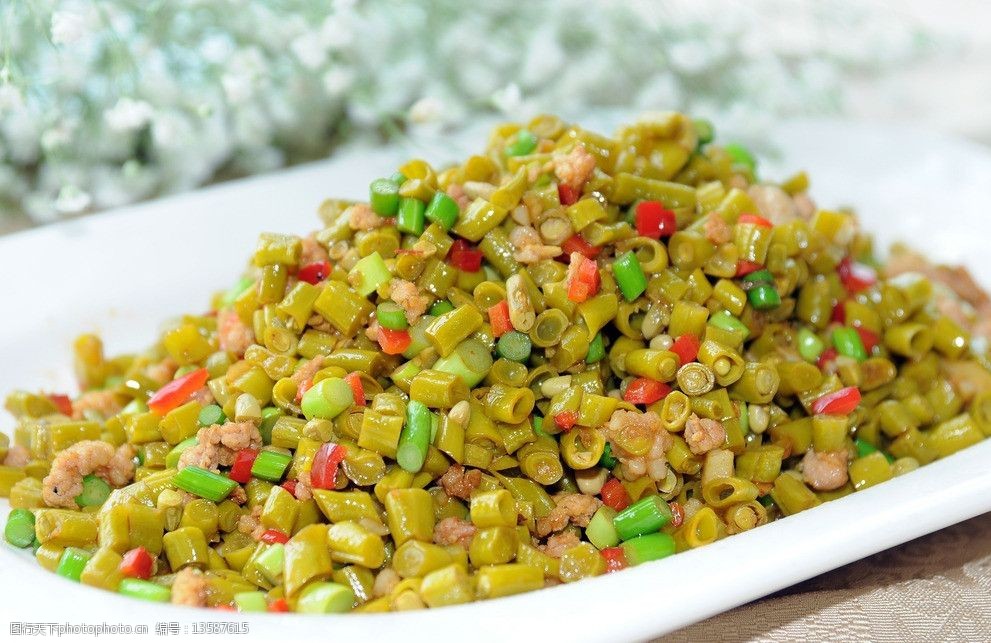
128,115
310,50
426,110
337,80
336,32
238,87
72,200
509,99
68,27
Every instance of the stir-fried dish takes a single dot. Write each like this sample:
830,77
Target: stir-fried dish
568,355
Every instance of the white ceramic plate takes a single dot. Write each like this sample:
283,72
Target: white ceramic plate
123,273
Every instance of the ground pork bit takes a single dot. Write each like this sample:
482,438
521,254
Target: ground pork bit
372,331
189,588
361,217
385,582
163,371
317,322
313,252
825,471
65,479
216,445
202,396
967,377
625,427
774,203
804,205
530,246
106,403
456,192
454,531
957,280
238,495
703,434
574,508
459,482
557,544
17,456
408,297
574,168
303,489
233,334
717,230
248,522
307,370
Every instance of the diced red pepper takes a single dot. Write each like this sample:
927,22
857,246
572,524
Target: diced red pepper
615,559
278,605
241,469
677,514
826,357
754,219
566,194
325,462
855,276
499,319
868,338
225,607
839,313
585,281
314,273
137,563
301,388
614,495
566,419
654,220
62,403
744,268
577,243
841,402
290,486
686,348
178,391
644,390
394,342
464,256
357,387
272,536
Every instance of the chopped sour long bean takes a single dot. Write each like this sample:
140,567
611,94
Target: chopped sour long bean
568,354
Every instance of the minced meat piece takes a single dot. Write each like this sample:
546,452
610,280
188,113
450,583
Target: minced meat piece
217,445
559,543
17,456
717,230
459,482
703,434
574,168
454,531
233,334
825,471
362,217
313,252
574,508
106,403
189,588
65,479
408,297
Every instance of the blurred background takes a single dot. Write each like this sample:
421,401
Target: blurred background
111,102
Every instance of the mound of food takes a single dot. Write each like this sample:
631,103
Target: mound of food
568,355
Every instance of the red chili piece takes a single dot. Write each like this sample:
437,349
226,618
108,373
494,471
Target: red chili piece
62,403
357,387
178,391
464,256
241,469
566,194
137,563
577,243
754,219
314,273
686,348
855,276
615,559
272,536
654,220
324,469
614,495
394,342
841,402
566,419
644,390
